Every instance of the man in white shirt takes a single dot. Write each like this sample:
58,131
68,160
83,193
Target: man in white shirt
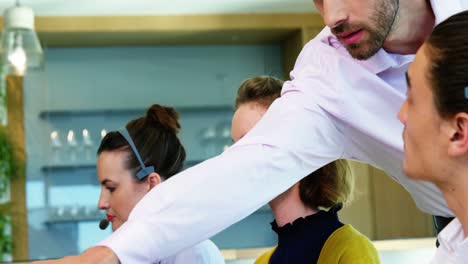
335,106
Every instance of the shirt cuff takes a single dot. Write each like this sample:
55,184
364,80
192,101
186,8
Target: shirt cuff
126,243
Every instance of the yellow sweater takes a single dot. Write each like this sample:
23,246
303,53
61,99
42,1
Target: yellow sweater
345,245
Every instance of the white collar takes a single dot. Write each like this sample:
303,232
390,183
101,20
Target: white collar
376,64
452,236
444,9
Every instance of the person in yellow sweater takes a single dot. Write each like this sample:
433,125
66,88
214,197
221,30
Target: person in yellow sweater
306,215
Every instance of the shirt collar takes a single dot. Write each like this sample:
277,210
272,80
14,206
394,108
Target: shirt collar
452,236
462,252
376,64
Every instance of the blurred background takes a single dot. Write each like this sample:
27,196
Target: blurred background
86,68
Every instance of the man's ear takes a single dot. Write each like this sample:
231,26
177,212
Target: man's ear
458,145
153,179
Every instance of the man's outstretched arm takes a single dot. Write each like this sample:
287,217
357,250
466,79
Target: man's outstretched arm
293,139
94,255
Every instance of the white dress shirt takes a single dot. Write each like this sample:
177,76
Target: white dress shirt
203,253
453,248
334,107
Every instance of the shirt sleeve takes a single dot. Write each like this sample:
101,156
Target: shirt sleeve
294,137
203,253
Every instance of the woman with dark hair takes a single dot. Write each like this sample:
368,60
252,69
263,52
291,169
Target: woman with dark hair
306,215
435,116
138,158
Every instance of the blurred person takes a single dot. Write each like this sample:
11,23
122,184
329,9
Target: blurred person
137,158
306,215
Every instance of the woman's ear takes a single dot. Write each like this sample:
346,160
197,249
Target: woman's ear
459,136
153,179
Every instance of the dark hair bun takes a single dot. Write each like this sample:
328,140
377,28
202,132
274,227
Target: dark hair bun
166,117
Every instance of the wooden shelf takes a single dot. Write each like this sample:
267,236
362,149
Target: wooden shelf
74,219
72,214
80,166
51,113
66,167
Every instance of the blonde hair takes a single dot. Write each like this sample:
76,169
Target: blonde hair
326,187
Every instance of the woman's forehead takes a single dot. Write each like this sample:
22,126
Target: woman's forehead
111,163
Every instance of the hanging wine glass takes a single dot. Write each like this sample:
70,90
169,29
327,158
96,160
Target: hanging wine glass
72,145
87,145
103,133
208,141
225,136
56,146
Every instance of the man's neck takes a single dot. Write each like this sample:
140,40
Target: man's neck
413,25
288,207
455,192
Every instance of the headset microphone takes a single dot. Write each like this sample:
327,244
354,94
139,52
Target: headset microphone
103,224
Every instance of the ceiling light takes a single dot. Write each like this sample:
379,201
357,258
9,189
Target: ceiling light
20,47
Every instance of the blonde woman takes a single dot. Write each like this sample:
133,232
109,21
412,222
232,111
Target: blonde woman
306,232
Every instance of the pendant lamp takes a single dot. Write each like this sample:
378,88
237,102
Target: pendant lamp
20,48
